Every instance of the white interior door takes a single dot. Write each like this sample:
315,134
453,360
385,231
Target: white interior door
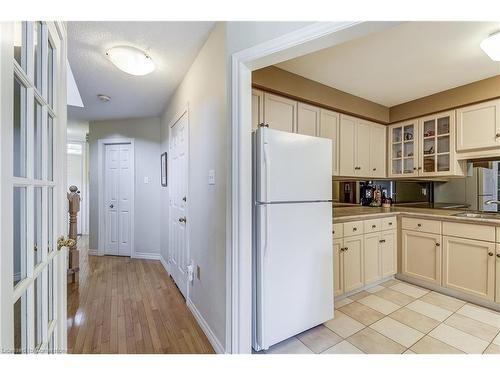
118,198
33,188
178,189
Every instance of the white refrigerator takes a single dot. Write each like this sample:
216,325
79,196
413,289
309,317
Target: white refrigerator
292,253
482,186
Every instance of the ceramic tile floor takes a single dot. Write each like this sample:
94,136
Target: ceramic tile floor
400,318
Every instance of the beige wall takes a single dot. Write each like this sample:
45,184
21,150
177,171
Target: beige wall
282,82
457,97
203,89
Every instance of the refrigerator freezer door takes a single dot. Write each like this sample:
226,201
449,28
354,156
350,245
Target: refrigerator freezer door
292,167
294,270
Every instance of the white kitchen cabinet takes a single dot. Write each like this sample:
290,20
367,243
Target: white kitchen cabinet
372,257
329,127
388,251
353,263
280,113
497,267
378,160
478,126
421,256
403,149
257,108
338,267
308,119
469,266
362,148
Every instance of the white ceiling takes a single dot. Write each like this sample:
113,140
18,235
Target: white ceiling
172,46
403,63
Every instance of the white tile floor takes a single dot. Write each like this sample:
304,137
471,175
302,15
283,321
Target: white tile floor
397,317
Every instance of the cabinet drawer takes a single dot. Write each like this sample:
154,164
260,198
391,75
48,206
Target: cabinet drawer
338,231
353,228
389,223
421,225
470,231
374,225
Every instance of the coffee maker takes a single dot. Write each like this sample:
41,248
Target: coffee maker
366,190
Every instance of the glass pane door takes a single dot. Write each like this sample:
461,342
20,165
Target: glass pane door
429,146
397,150
443,144
30,319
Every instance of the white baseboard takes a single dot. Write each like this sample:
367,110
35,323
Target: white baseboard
152,256
93,252
219,349
164,263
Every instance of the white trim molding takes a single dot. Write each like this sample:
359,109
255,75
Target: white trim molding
214,341
239,244
100,195
143,255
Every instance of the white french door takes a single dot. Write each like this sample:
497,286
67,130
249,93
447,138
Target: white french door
178,200
32,187
118,197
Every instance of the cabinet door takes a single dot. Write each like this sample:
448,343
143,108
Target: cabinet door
347,145
388,249
478,126
498,274
338,272
378,140
329,128
403,149
422,256
372,268
353,263
469,266
437,145
307,119
280,113
257,108
362,149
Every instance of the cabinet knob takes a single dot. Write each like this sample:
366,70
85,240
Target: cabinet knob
382,241
490,254
374,169
419,225
497,135
390,223
354,229
438,244
414,168
498,255
374,226
419,168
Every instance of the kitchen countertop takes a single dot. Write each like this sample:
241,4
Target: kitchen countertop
353,213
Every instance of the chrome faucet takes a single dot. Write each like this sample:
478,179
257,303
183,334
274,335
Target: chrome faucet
491,201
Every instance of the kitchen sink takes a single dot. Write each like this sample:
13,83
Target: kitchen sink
478,215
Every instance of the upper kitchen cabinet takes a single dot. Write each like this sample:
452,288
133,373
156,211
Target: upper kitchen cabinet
403,160
308,118
362,148
329,127
280,113
424,147
257,108
478,128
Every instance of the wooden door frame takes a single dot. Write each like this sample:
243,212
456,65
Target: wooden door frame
101,159
306,40
171,124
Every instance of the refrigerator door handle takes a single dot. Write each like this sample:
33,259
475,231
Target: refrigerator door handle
266,234
267,167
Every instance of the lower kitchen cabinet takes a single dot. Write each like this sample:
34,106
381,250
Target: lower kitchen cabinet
421,256
388,251
338,268
352,254
469,266
372,257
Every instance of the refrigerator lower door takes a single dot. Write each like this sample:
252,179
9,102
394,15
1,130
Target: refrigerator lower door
293,270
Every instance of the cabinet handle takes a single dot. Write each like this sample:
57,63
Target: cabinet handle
354,229
374,169
498,255
490,254
419,168
419,225
346,248
382,241
390,223
438,244
374,226
414,168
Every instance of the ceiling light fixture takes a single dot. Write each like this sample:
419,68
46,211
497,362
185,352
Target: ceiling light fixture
131,60
491,46
104,98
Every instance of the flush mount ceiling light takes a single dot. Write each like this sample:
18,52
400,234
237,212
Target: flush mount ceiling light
131,60
491,46
104,98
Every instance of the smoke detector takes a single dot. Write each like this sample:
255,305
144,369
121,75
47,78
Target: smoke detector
104,98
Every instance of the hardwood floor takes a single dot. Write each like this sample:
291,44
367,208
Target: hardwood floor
125,305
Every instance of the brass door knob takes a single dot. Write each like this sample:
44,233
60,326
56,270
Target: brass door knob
65,242
182,220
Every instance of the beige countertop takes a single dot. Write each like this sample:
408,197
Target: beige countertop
345,214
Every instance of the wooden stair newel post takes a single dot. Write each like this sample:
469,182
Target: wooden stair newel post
74,254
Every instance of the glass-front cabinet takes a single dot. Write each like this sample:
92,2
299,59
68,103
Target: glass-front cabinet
403,149
424,147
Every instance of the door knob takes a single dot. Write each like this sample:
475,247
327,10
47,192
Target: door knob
111,205
184,199
65,242
182,219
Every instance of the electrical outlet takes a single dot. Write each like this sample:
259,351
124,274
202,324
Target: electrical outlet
198,272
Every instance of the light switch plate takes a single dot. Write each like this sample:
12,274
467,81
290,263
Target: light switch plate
211,177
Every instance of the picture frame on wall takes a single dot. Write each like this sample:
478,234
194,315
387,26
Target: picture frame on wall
164,169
